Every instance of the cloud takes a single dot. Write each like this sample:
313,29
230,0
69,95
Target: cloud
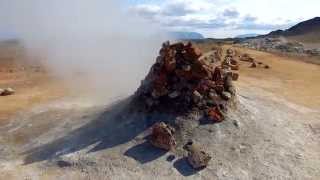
146,10
251,22
205,15
231,13
177,8
195,23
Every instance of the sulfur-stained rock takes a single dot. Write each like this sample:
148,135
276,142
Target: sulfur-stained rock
197,158
163,136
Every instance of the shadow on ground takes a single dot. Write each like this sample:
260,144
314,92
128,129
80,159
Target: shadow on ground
184,168
117,125
145,152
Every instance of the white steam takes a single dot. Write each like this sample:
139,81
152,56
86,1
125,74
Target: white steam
92,44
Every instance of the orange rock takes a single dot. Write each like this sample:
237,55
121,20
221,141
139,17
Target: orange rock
215,115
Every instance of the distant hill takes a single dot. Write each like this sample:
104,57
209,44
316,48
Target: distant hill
186,35
303,28
247,35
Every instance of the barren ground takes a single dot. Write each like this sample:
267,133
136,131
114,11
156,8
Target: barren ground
274,133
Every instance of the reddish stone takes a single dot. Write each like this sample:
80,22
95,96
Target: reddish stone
161,80
234,62
199,71
217,75
163,136
184,74
235,76
215,115
234,67
253,65
192,53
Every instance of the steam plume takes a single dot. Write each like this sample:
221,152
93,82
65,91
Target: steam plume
92,44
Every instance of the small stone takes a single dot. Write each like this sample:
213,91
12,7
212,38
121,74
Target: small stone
197,158
234,67
170,158
253,65
215,115
163,136
197,97
226,95
236,123
174,94
7,92
186,67
235,76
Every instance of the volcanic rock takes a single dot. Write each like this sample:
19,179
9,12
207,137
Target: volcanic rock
214,114
6,92
182,81
163,136
253,65
197,158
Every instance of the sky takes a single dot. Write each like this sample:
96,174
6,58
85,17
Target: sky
214,18
224,18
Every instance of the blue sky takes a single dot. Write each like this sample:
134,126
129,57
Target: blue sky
224,18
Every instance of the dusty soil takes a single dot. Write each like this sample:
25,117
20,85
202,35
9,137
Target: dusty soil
289,78
274,133
32,85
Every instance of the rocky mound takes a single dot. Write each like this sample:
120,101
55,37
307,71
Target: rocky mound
182,81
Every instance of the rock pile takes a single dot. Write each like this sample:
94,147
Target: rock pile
246,57
6,92
254,64
182,81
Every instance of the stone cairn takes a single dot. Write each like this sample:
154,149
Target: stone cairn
254,64
181,81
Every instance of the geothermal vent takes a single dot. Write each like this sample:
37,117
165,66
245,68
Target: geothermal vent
183,80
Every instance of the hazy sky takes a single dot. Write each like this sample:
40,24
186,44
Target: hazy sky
225,18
